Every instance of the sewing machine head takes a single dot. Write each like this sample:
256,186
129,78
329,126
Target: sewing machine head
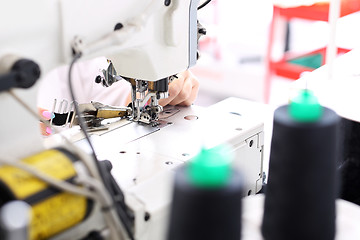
147,51
144,94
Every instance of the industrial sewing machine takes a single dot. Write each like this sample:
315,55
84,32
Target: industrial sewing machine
82,199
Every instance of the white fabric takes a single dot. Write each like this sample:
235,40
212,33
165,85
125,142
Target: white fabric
55,86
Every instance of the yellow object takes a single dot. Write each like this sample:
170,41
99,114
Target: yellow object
111,113
56,214
52,211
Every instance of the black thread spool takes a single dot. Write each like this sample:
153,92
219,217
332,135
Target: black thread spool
206,211
301,191
349,168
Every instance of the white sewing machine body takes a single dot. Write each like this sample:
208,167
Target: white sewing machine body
144,158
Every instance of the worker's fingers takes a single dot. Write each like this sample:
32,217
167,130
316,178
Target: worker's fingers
182,91
193,94
175,88
128,99
46,131
189,91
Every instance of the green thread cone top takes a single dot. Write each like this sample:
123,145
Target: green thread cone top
210,168
305,107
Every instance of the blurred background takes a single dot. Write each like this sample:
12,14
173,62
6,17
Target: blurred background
234,59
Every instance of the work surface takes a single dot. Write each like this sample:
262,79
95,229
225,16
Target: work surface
144,157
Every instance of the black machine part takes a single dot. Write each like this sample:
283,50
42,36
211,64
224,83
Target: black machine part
23,74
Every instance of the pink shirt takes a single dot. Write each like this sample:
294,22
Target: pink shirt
54,85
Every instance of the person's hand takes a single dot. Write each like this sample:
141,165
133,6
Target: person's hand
182,91
47,115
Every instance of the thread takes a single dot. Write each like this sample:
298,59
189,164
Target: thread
207,199
301,189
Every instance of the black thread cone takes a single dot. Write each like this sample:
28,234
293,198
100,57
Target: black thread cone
205,213
301,190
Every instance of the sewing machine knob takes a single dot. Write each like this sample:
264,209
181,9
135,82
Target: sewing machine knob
98,79
28,72
118,26
167,2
